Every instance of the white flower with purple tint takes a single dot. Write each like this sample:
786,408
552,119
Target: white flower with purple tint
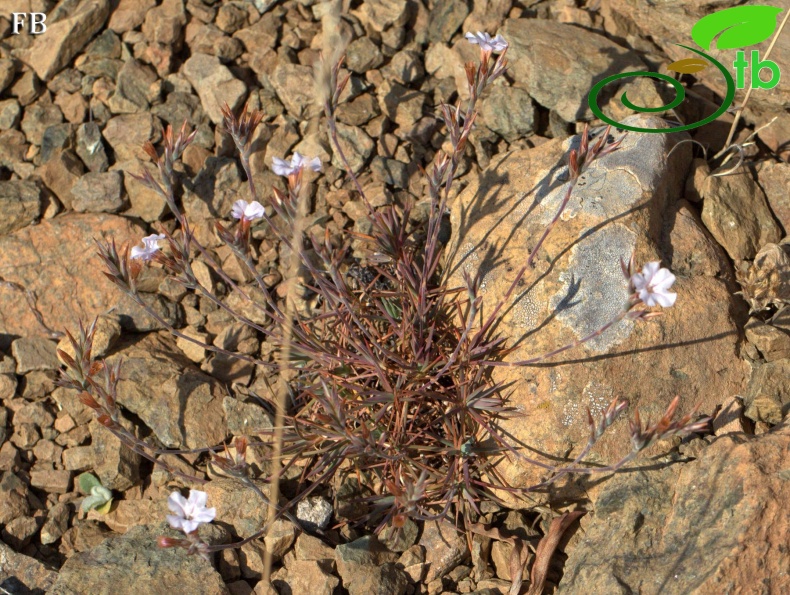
653,284
190,513
247,211
284,168
486,42
150,247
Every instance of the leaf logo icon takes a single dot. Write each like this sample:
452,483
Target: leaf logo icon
688,65
736,27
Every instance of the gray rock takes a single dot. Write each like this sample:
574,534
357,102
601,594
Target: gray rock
560,63
56,138
363,55
401,104
56,524
215,85
509,112
356,144
34,353
245,419
133,564
295,88
136,87
20,204
65,38
774,178
9,114
90,147
98,192
164,24
38,117
116,465
314,513
208,39
383,14
129,14
405,67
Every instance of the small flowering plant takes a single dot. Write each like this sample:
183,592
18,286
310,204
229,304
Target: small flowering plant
388,376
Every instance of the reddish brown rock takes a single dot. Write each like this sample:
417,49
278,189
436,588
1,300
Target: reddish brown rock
619,209
57,260
716,525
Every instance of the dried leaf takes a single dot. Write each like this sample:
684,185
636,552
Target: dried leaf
546,549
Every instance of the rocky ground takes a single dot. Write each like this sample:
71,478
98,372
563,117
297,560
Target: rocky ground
705,515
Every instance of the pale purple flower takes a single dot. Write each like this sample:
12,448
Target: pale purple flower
150,247
191,513
652,285
486,42
283,168
248,211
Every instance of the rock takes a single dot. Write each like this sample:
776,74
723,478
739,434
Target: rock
146,203
129,14
61,173
19,532
230,18
309,576
261,36
133,564
736,214
767,398
446,17
363,55
772,342
367,567
117,466
402,105
509,112
295,88
20,204
208,39
13,498
577,286
98,193
314,513
90,147
215,85
382,14
56,259
163,24
684,527
51,480
308,547
181,405
487,15
560,63
136,87
774,178
38,117
444,547
7,71
23,574
78,458
34,353
73,105
126,514
399,539
27,88
56,524
50,53
128,133
245,419
9,114
694,251
357,147
57,137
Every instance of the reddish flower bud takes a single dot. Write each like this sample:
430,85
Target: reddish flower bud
163,542
87,400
